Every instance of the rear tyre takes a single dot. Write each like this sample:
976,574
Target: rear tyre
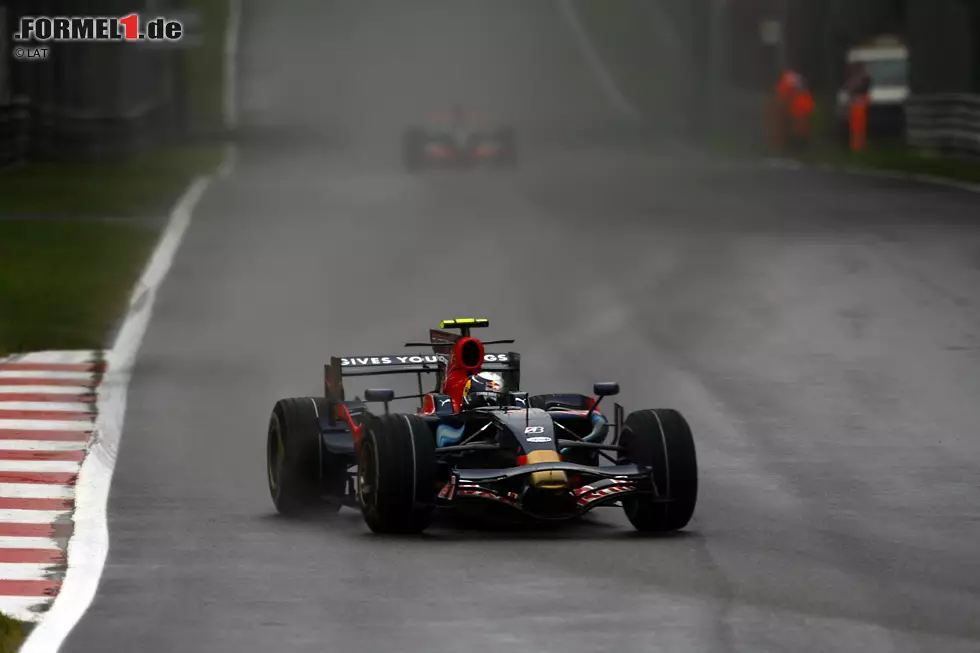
396,480
661,439
294,459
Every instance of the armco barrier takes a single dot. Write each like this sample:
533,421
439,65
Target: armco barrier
947,123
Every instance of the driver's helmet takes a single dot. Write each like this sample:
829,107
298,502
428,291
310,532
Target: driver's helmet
483,389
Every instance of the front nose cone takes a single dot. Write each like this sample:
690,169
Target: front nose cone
550,480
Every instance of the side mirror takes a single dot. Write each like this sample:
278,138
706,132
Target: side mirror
605,389
384,396
379,395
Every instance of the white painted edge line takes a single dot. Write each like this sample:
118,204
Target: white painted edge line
36,491
39,374
41,445
24,608
929,180
14,542
599,70
46,389
27,570
45,425
89,546
52,406
60,466
13,516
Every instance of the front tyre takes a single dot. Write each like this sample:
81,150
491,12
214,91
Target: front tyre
396,477
661,439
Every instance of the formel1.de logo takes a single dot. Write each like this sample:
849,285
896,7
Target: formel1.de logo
35,33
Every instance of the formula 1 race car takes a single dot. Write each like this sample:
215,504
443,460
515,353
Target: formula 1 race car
458,141
531,456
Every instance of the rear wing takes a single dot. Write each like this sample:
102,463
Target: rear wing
507,363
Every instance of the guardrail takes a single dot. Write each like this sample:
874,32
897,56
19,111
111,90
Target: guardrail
947,123
15,119
65,134
33,132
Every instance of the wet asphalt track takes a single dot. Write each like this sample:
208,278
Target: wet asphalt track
820,332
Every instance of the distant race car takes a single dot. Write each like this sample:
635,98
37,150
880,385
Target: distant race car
529,456
458,141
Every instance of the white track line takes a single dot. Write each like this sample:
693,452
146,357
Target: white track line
55,406
46,389
857,171
599,70
20,607
13,542
72,357
41,445
62,466
27,571
89,546
901,176
34,517
36,491
44,425
41,374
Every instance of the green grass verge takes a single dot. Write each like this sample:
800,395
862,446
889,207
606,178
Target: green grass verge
63,282
145,185
12,634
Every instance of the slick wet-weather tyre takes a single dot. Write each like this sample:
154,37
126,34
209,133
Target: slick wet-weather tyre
294,458
396,477
661,439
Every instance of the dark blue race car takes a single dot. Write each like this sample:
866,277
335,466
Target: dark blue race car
543,457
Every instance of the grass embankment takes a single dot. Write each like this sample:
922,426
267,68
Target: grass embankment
65,272
64,281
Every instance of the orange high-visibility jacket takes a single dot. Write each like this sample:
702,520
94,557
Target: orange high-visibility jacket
788,83
801,108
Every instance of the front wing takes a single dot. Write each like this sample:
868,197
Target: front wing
600,485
